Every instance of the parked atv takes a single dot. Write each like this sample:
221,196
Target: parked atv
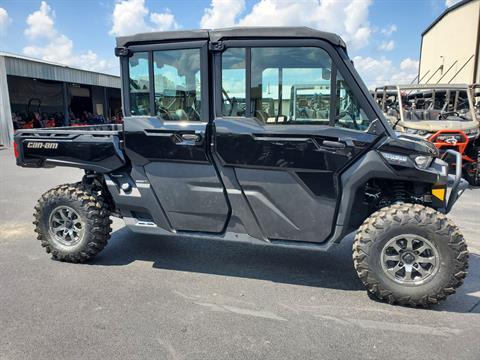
301,175
476,99
443,114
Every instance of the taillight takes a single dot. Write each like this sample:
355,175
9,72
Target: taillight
15,149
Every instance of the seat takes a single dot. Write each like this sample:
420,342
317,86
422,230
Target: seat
181,115
261,115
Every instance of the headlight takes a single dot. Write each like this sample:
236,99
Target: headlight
422,161
471,132
416,132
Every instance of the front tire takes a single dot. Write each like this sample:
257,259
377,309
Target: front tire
72,223
471,171
410,254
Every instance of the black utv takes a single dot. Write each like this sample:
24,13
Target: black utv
262,135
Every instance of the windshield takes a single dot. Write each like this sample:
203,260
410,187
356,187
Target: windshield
310,101
429,105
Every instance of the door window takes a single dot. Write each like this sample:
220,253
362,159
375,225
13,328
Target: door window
234,82
177,84
349,113
291,85
139,84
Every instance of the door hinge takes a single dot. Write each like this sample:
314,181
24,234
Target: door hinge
216,46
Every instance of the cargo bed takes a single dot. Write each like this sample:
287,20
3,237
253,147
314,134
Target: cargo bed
95,147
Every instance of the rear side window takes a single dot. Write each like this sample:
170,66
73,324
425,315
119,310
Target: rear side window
234,82
177,84
291,85
139,84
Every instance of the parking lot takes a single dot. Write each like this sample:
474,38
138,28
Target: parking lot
145,297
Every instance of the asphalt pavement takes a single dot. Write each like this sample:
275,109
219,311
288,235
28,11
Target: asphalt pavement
164,298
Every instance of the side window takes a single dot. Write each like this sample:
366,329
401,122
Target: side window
177,84
234,82
349,114
291,85
139,84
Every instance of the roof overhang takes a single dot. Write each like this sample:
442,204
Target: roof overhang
19,65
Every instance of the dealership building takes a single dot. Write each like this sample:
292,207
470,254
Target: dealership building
30,86
450,49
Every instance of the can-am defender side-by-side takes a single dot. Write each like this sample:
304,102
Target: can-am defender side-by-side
261,135
444,114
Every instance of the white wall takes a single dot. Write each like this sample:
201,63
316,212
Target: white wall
453,38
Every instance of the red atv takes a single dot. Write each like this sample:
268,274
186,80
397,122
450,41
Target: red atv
445,114
457,140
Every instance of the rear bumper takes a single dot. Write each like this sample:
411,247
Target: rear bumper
89,148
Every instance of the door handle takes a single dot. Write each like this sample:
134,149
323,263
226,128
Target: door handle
191,137
333,144
188,139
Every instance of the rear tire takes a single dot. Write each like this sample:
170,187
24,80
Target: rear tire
410,255
72,223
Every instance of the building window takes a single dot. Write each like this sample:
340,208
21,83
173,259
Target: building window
177,84
139,84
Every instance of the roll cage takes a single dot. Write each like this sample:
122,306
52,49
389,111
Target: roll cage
424,91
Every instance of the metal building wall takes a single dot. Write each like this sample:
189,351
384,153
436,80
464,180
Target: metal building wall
11,64
41,70
6,125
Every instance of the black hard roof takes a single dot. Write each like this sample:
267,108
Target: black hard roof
443,14
231,33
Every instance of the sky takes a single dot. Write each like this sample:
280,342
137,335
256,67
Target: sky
383,36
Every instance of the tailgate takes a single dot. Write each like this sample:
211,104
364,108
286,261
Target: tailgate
89,148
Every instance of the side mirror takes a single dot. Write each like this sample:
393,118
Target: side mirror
122,52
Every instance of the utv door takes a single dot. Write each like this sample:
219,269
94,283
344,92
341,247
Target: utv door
289,120
166,135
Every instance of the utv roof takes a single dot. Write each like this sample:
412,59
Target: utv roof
231,33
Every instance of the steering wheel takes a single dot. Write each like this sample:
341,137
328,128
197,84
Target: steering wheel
355,124
446,114
343,113
163,113
233,102
229,100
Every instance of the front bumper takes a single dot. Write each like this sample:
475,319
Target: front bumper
455,182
